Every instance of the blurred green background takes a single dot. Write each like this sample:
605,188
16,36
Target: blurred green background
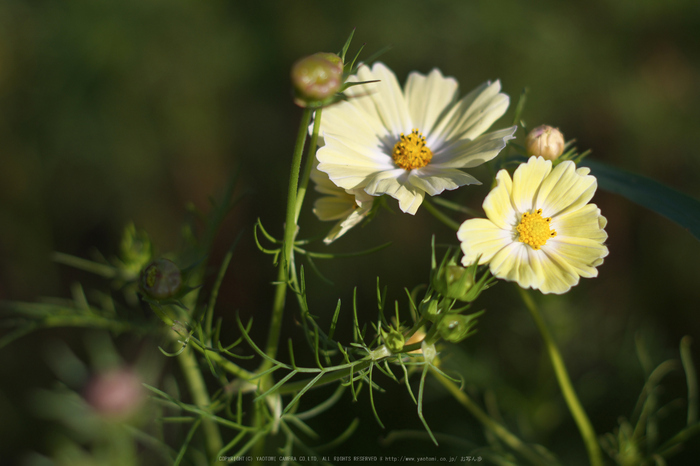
113,112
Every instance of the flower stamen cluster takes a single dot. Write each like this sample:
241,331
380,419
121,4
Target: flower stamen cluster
535,230
411,152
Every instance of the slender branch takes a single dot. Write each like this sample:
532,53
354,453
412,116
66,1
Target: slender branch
497,429
440,215
290,229
200,397
579,414
310,156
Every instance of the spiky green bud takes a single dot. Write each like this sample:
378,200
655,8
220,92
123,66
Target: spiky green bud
456,327
394,340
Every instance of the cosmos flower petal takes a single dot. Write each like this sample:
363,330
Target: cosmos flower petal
347,168
434,180
394,184
466,153
322,183
350,207
498,204
583,254
474,114
388,98
527,180
515,262
559,276
582,223
352,117
428,97
333,208
342,227
481,238
565,188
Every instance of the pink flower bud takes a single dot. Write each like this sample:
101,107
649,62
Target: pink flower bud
317,78
545,141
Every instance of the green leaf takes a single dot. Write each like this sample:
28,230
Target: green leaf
674,205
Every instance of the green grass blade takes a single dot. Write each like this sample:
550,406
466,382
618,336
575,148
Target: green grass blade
674,205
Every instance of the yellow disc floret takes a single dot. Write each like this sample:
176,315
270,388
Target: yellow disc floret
411,152
534,230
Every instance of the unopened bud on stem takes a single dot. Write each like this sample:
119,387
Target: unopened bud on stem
545,141
162,279
317,78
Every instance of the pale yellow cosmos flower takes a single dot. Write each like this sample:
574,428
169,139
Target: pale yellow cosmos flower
406,143
541,232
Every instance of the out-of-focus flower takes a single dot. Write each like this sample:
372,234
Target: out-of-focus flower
115,394
408,143
541,232
546,142
346,206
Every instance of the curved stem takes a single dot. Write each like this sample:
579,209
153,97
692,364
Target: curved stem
497,429
440,215
290,229
579,414
310,156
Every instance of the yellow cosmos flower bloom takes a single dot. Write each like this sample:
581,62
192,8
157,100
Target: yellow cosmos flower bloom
347,207
541,232
406,143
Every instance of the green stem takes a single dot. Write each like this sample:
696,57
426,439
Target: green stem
200,397
290,229
310,156
579,414
497,429
440,215
225,364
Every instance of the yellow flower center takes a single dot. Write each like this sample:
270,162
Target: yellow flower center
411,152
534,230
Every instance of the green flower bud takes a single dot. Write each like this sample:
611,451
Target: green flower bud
545,141
429,308
161,279
455,328
453,281
316,79
393,340
136,249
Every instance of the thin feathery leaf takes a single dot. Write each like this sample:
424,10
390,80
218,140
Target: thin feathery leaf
519,107
327,255
186,443
420,402
339,440
371,398
346,46
302,392
232,443
323,406
274,388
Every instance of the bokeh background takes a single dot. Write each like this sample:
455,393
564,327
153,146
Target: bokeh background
113,112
